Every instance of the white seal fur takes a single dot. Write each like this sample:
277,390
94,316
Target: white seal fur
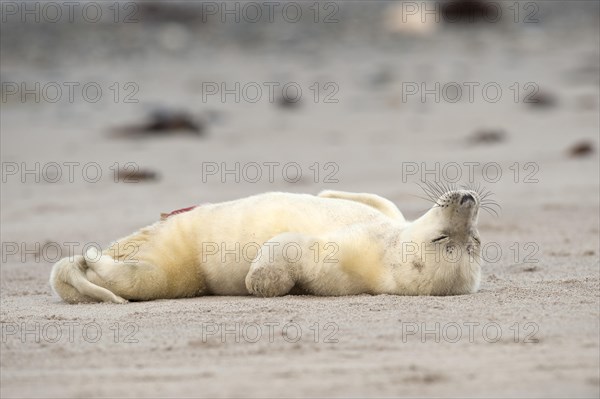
271,244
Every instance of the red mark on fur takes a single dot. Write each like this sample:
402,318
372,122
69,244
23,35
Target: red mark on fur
164,216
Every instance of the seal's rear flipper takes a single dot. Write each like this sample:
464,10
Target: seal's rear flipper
68,279
383,205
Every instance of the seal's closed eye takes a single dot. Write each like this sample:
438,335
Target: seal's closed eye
439,238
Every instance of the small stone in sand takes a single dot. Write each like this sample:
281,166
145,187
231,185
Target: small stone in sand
163,122
136,175
488,136
286,101
467,11
581,149
166,120
541,99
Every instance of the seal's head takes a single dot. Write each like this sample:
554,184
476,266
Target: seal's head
447,245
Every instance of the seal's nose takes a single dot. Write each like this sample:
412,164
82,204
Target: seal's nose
466,198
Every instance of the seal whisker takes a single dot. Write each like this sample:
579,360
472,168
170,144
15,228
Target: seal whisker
451,186
491,203
427,191
435,190
490,210
423,198
443,186
472,186
485,196
430,194
432,189
484,193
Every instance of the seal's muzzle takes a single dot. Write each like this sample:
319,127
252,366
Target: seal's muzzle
466,198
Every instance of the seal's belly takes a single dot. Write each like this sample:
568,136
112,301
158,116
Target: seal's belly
227,237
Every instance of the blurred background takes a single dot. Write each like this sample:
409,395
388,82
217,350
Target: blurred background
352,95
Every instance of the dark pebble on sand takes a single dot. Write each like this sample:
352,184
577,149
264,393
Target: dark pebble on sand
168,120
164,122
488,136
136,175
288,102
541,99
168,12
469,11
381,78
581,149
